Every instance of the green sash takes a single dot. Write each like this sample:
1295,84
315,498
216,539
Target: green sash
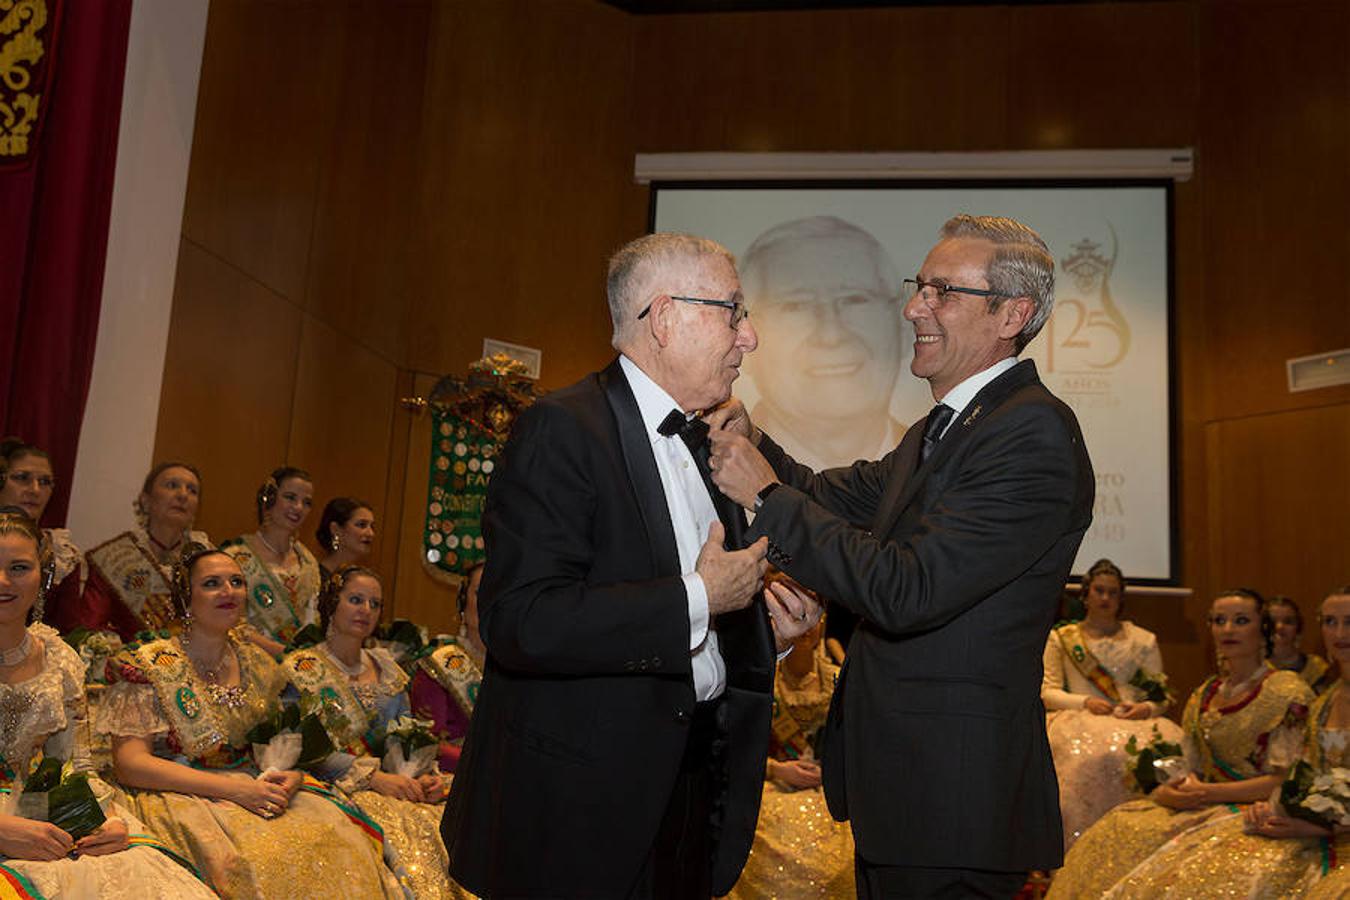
343,715
271,607
1075,647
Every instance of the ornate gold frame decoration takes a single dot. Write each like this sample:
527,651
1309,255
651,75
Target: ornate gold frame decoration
24,62
471,419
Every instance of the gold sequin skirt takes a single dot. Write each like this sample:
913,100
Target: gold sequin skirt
799,851
1121,840
311,850
1217,859
1335,884
417,854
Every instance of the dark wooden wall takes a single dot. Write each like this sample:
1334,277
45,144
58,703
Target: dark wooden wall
377,187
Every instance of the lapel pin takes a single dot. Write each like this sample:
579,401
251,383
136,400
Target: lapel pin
973,413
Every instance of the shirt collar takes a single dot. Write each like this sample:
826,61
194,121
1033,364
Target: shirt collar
654,404
959,397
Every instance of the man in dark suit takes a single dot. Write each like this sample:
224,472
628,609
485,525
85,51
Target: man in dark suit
953,550
617,745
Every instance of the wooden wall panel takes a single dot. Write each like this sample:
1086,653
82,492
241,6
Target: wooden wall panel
341,420
228,385
528,182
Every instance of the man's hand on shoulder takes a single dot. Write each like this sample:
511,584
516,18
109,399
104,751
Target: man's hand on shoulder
732,416
738,469
730,578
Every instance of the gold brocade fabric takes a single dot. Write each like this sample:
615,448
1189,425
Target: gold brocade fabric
413,831
799,850
1244,738
311,850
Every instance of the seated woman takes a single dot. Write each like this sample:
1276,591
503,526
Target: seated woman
345,534
283,576
361,691
128,586
26,481
799,850
1288,655
42,690
179,711
1243,729
1234,855
1093,705
445,681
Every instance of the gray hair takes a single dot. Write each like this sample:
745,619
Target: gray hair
818,228
1021,267
635,268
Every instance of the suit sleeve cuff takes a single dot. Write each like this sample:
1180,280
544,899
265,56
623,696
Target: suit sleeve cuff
697,595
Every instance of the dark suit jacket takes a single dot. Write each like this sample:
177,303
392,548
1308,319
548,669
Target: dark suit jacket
586,700
935,745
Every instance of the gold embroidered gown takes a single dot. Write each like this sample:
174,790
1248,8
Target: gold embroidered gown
1219,859
127,590
281,600
799,850
411,830
45,716
1089,750
313,849
1258,735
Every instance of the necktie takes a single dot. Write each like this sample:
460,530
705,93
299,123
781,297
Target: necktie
932,431
694,433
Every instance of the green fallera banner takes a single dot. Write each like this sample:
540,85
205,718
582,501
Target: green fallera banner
462,457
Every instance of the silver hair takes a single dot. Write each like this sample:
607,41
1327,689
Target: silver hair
1021,267
814,228
637,266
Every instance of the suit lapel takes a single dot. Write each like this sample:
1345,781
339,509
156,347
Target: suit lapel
985,402
642,474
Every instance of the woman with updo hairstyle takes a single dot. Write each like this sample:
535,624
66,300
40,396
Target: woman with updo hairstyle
42,687
1285,652
128,587
283,576
445,681
179,712
360,691
1243,729
27,482
1098,676
345,534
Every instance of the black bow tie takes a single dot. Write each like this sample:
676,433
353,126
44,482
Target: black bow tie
694,432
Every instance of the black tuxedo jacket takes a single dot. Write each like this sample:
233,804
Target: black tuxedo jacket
584,711
935,745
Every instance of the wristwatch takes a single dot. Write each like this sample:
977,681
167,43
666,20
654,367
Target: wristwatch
764,494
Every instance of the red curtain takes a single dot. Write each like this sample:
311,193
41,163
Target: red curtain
55,195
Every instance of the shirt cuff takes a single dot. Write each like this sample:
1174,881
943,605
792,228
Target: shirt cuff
697,595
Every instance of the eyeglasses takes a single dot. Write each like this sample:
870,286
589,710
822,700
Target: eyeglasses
738,311
26,479
942,291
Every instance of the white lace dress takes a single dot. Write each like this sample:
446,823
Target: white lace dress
1088,749
46,716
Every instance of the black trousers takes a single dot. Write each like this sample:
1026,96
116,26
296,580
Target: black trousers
906,882
679,866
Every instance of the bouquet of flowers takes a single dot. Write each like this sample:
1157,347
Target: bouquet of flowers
1153,684
55,793
410,747
1321,799
402,638
288,739
308,636
1157,762
95,648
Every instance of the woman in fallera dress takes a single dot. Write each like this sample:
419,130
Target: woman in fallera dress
128,586
283,576
362,690
27,481
178,714
1243,728
1262,851
445,681
1093,707
1288,655
345,534
43,704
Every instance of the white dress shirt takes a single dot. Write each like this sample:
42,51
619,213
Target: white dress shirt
691,515
959,397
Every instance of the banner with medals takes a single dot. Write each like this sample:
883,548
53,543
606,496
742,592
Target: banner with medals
27,38
470,421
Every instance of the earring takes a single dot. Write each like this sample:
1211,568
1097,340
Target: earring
336,542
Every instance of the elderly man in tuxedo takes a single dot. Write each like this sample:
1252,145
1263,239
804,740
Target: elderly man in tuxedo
618,742
953,550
